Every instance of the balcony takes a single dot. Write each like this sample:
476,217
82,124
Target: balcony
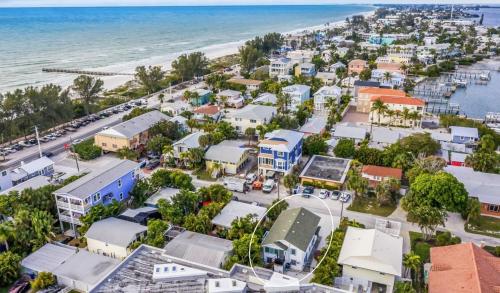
62,204
68,219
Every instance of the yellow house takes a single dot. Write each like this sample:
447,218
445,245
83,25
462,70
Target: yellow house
131,134
113,237
228,156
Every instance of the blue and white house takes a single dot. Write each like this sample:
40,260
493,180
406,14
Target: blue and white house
280,151
299,93
464,135
396,78
102,187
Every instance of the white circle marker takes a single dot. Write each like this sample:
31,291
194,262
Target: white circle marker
260,220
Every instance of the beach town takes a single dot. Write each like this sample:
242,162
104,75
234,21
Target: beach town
329,159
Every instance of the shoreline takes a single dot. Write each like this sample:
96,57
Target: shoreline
211,52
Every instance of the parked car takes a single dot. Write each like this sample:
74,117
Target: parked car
25,143
308,190
345,197
297,189
251,177
235,184
268,186
143,164
152,164
48,154
323,193
335,195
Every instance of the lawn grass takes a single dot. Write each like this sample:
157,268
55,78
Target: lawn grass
202,174
370,205
488,226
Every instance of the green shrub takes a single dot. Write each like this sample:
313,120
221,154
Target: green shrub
422,249
86,150
42,281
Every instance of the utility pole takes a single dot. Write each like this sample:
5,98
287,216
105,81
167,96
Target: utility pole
74,154
278,175
38,141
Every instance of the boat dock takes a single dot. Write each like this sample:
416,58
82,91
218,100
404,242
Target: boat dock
84,72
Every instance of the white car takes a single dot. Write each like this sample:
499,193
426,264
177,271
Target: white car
268,186
323,193
251,177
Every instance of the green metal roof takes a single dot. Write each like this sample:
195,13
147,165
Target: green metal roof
296,226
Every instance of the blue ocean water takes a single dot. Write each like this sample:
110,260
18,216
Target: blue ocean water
33,38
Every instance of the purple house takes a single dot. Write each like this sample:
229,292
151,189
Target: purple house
102,187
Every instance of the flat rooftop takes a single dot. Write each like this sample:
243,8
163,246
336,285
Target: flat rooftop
326,168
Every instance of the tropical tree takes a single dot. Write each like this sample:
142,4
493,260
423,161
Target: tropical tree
274,212
241,247
405,115
411,262
344,148
356,183
250,133
241,226
379,107
41,223
149,78
188,66
6,232
473,210
386,191
315,145
283,100
156,233
9,268
290,181
127,153
387,76
390,113
168,151
88,88
196,156
42,281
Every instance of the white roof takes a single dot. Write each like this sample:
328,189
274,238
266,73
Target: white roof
484,186
441,136
225,152
266,98
289,136
464,131
48,257
190,140
36,165
237,209
314,125
373,250
384,135
300,88
229,93
33,183
202,92
115,231
257,112
329,91
225,285
165,193
175,271
458,157
179,119
136,125
342,131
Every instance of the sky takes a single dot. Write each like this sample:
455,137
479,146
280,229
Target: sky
37,3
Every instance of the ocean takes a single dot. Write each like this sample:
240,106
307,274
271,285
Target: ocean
120,38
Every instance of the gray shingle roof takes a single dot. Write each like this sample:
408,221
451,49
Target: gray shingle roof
115,231
257,112
48,257
225,153
95,181
296,226
136,125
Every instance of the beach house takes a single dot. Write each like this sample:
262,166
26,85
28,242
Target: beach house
39,167
132,134
356,66
298,94
230,98
250,84
200,98
99,187
190,141
365,95
464,135
377,174
305,69
280,151
398,105
322,97
251,116
280,66
291,240
228,157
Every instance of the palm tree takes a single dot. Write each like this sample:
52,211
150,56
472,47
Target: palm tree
167,152
283,101
127,153
6,231
387,76
415,116
356,183
184,157
195,156
406,115
379,107
412,262
390,113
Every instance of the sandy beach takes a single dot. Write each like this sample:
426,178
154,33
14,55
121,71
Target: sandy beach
212,52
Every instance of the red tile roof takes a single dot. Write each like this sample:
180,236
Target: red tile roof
400,100
382,171
463,268
382,91
207,110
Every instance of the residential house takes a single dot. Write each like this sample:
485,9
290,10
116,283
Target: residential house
140,215
207,112
328,78
483,186
113,237
463,268
190,141
399,54
390,67
250,84
200,248
464,135
395,79
305,69
236,210
342,51
291,239
40,167
181,122
356,134
314,126
301,56
359,84
266,99
231,98
251,116
226,156
322,97
398,105
382,137
99,187
333,68
280,151
175,107
325,171
298,93
365,95
280,66
132,134
371,260
356,66
202,97
377,174
327,55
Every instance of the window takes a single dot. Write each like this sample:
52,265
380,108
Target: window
280,165
157,270
4,173
119,183
115,146
121,195
104,144
97,196
253,121
165,269
293,251
493,208
293,262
